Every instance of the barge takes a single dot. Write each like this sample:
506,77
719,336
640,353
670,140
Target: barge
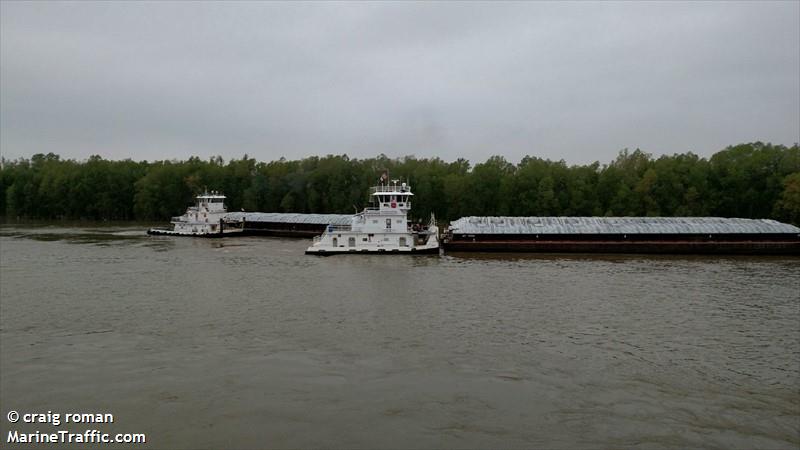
654,235
285,224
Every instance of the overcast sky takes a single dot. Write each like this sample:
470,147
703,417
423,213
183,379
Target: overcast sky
574,81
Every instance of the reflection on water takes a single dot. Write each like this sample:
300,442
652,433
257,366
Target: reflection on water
248,343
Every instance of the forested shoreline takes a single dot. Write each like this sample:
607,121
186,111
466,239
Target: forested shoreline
754,180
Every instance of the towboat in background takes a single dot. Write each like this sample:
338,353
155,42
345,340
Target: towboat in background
207,218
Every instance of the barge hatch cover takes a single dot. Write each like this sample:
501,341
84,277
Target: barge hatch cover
291,218
618,225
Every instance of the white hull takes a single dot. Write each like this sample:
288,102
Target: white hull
345,251
344,242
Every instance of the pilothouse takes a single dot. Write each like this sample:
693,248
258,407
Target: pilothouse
382,227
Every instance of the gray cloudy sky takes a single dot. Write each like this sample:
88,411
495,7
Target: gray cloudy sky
578,81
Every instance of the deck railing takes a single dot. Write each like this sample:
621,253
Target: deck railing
391,188
333,228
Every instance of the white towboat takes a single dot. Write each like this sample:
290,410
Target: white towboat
205,218
382,228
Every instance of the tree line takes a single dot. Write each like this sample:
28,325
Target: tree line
753,180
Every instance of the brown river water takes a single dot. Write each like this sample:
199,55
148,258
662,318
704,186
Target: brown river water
248,343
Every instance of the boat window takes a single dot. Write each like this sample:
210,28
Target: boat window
388,224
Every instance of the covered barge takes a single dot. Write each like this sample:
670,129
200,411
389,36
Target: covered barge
667,235
286,224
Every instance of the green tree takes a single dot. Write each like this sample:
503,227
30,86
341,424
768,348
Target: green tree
788,206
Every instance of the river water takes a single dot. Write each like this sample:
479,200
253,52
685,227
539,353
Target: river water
248,343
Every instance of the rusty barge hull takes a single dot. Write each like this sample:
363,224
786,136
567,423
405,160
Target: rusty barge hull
685,245
282,229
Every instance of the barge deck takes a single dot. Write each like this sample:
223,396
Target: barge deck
285,224
654,235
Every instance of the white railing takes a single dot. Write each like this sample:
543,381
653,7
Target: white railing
391,188
340,227
377,211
